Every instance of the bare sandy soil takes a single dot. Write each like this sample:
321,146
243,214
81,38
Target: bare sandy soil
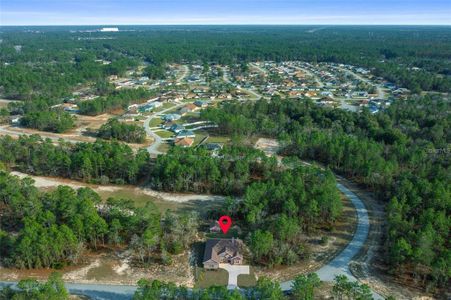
112,268
5,102
269,146
79,134
73,136
93,122
49,182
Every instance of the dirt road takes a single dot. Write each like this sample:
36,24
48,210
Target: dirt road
51,182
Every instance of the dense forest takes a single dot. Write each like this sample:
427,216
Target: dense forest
55,121
292,202
195,170
278,211
99,162
401,154
51,61
54,229
39,114
130,133
278,205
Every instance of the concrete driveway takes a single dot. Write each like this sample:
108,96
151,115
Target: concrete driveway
234,271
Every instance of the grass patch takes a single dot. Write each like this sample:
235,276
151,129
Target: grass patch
155,122
189,118
218,139
164,134
245,281
205,279
199,137
164,147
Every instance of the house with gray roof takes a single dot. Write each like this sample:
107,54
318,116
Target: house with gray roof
185,134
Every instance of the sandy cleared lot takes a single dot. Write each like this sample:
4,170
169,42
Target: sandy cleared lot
81,133
269,146
5,102
50,182
15,132
111,267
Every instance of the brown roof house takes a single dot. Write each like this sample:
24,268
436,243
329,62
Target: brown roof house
219,251
184,142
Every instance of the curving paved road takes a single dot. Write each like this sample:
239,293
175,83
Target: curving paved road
94,291
153,149
340,264
184,73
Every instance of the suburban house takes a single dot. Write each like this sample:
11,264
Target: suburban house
186,134
200,103
149,106
213,146
190,107
222,251
171,117
184,142
176,128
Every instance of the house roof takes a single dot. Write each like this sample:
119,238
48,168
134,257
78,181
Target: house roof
185,133
200,103
177,127
214,247
184,142
213,146
191,106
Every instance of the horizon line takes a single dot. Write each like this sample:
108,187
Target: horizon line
233,24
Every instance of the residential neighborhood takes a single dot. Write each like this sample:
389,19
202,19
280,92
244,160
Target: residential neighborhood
124,148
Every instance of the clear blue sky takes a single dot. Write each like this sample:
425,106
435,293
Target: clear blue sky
87,12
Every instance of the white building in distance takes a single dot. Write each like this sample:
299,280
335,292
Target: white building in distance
109,29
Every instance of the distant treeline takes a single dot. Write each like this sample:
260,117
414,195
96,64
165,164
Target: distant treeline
99,162
52,62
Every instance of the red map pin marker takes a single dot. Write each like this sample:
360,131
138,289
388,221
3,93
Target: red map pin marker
225,222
